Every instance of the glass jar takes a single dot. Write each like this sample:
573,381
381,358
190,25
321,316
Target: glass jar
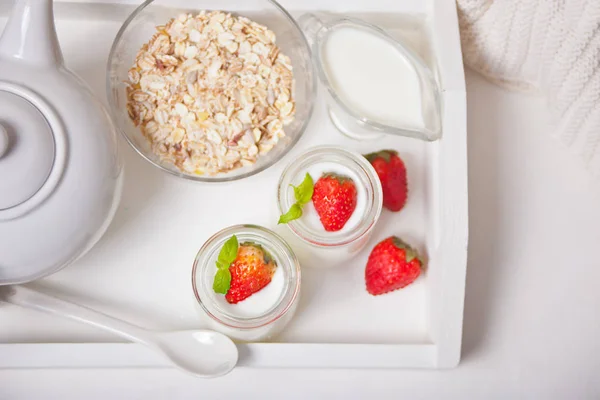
266,312
314,245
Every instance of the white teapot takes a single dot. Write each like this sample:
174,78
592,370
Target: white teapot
60,172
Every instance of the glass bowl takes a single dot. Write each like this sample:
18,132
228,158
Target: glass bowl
141,25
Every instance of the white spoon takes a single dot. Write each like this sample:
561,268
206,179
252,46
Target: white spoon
201,352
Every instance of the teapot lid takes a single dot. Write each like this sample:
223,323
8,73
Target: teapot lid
32,150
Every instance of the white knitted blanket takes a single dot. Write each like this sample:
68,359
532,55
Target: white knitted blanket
548,46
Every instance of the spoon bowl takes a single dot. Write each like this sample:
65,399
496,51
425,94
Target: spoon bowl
218,353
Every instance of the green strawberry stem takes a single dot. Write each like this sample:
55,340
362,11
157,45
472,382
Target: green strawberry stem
411,253
340,178
385,154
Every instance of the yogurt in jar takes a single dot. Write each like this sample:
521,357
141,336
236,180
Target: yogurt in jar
314,246
266,312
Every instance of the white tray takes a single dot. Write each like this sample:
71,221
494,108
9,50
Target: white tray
141,269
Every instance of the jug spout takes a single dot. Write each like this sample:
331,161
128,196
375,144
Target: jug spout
30,35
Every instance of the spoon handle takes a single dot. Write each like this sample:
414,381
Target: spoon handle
29,298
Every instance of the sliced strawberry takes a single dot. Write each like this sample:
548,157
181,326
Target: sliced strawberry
334,198
251,271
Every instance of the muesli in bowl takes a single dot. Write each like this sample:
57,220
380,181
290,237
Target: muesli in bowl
211,95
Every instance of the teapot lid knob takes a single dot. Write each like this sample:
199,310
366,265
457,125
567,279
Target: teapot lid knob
3,140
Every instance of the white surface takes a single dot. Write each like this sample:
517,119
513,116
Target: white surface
141,270
532,318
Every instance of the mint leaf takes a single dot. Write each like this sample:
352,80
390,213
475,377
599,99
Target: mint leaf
303,194
227,255
294,212
228,252
304,191
222,281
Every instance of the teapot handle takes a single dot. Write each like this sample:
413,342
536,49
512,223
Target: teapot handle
30,35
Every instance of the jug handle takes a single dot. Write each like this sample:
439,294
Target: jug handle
30,35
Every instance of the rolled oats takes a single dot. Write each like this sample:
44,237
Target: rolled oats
211,92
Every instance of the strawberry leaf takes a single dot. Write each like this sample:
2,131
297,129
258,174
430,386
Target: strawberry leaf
385,154
340,178
304,191
294,212
222,281
409,253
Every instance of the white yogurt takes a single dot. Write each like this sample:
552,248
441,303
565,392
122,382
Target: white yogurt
372,77
310,218
258,304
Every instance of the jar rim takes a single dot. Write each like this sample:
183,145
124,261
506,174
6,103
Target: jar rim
280,250
361,166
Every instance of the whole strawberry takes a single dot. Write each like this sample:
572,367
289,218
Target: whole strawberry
392,265
334,198
392,174
251,271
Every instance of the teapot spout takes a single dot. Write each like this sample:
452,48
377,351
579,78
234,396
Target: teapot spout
30,35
